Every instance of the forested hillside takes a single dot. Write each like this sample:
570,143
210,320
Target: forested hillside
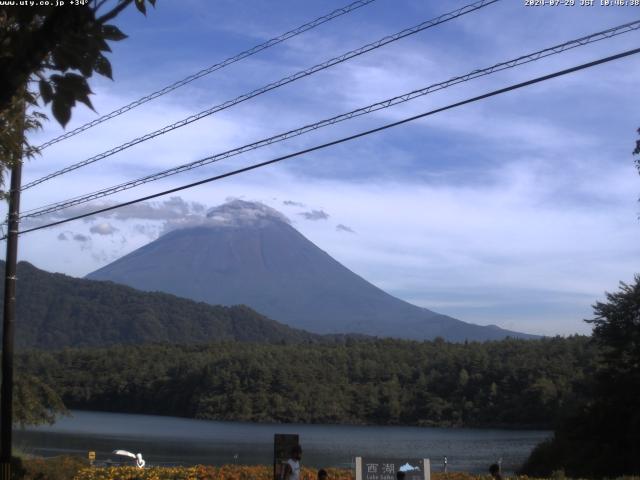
56,311
502,383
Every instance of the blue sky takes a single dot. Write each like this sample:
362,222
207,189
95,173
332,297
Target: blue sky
519,211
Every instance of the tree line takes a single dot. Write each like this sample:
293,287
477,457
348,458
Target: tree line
509,383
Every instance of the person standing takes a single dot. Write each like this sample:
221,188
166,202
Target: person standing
292,466
495,472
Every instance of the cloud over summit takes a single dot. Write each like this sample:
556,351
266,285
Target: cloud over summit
103,229
234,213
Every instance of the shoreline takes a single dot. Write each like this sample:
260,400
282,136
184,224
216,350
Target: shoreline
497,426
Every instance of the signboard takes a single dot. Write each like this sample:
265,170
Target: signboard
369,468
282,445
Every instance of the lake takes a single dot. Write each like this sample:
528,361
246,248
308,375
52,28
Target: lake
171,440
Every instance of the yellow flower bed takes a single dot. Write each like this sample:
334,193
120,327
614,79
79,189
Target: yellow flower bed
232,472
200,472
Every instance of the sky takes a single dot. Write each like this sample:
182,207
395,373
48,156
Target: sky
520,210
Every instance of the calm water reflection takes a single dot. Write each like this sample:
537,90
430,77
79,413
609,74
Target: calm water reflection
183,441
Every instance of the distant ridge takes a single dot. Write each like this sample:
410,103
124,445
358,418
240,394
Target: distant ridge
56,311
248,253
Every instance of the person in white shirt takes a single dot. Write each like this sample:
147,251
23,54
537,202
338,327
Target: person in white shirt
292,467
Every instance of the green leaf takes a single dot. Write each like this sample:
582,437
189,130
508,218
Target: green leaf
61,59
61,110
46,91
103,67
73,87
65,94
64,89
111,32
103,45
75,83
141,6
84,98
86,67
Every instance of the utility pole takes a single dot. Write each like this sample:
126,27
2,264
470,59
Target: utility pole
8,323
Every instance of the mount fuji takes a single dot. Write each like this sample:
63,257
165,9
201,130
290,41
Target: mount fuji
248,253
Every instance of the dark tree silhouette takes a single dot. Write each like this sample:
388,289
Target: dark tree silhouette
59,46
602,439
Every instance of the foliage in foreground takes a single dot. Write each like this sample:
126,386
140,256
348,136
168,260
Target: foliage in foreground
602,439
35,402
60,47
69,467
231,472
200,472
57,468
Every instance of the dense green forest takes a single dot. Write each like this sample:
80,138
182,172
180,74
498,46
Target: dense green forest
504,383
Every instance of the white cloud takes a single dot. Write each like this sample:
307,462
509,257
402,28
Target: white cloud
234,213
173,208
103,229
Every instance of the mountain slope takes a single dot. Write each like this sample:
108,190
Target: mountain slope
247,253
55,311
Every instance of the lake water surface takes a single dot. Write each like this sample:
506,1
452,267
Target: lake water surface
170,440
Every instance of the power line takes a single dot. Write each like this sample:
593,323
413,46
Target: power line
344,139
218,66
271,86
336,119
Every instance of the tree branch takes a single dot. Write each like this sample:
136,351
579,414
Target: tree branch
99,4
115,12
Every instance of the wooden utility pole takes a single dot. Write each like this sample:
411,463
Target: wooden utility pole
8,323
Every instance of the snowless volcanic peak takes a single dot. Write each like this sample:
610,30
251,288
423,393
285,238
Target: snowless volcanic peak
245,253
239,213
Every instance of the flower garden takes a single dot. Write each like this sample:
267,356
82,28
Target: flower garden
227,472
75,468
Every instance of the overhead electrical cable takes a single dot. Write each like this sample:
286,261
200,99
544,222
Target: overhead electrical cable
524,59
342,140
271,86
218,66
